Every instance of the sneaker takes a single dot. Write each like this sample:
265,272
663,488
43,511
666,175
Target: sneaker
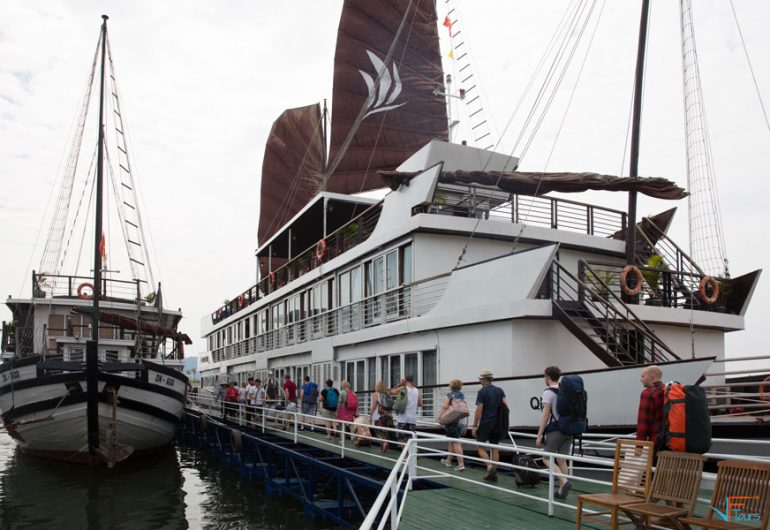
460,468
564,490
446,462
491,473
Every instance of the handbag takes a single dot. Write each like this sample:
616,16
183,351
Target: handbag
457,410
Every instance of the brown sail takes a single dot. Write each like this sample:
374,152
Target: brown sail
292,168
403,113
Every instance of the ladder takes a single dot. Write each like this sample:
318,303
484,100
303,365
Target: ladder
468,89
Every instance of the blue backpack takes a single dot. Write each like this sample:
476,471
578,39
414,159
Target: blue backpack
571,405
330,400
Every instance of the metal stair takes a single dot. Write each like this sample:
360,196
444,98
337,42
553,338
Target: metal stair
603,322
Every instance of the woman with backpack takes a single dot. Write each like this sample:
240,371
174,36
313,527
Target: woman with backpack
457,429
347,408
382,413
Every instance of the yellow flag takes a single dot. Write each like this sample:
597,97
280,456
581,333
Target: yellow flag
451,54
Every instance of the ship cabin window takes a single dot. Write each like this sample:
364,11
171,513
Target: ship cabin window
75,354
247,328
355,374
375,285
293,316
349,295
405,264
229,335
261,328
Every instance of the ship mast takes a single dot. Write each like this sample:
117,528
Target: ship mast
633,170
92,347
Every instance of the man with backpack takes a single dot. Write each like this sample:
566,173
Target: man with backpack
564,416
650,416
485,421
308,396
329,400
408,398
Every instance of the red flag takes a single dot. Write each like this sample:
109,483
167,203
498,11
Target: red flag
448,23
102,247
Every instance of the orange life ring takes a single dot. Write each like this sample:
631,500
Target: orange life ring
628,269
320,249
241,301
764,395
85,296
706,281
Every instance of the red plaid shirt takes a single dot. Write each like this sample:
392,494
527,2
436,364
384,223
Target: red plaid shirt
650,412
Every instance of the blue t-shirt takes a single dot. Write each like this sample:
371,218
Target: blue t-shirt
489,396
456,394
308,394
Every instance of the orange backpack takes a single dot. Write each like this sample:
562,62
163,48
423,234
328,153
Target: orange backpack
686,422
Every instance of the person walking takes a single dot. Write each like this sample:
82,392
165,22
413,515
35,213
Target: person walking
231,397
454,430
346,411
407,420
488,400
329,400
259,398
650,416
308,396
381,412
251,394
555,440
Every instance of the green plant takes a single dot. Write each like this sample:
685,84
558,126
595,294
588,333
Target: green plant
351,231
150,298
725,288
652,277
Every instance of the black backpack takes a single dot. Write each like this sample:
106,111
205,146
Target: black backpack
525,477
571,405
502,421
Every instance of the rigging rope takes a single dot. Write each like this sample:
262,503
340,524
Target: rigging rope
751,68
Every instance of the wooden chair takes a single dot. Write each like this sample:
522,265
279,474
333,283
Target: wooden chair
630,482
675,483
741,495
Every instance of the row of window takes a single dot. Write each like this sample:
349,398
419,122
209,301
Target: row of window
368,279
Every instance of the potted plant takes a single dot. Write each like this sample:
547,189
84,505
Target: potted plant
655,266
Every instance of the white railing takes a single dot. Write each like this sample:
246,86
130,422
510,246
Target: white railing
389,504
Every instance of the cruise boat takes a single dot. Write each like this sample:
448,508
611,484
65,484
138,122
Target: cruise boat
92,365
466,263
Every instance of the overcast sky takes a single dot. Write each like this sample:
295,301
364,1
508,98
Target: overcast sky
202,83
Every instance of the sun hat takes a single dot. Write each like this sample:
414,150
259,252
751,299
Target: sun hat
486,374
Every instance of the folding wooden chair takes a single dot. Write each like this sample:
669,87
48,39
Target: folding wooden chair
741,498
630,482
675,483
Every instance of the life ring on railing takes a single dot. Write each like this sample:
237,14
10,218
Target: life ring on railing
320,249
272,279
631,269
704,283
83,295
764,395
241,301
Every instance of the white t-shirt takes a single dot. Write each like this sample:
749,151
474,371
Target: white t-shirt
251,393
259,399
412,399
549,396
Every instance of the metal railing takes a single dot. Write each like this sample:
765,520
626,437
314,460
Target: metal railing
58,285
351,234
549,212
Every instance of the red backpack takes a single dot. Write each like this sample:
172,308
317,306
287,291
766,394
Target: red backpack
351,402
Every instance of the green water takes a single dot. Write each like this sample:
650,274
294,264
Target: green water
173,489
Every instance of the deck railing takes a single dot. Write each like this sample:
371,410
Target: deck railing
549,212
350,235
57,285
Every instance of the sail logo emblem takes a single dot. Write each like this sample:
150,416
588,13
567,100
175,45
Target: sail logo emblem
735,509
382,96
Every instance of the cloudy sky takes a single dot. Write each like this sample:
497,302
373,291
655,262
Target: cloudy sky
202,82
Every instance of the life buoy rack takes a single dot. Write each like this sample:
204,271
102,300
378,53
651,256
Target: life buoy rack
83,295
631,269
705,282
241,301
320,249
764,395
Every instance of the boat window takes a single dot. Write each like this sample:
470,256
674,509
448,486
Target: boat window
372,369
247,328
410,367
405,264
395,369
